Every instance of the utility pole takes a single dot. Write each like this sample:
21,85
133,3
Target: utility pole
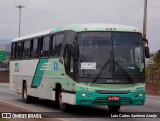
145,20
20,7
145,41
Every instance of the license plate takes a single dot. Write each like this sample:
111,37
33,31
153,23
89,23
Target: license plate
113,98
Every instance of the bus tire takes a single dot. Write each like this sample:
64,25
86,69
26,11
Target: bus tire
114,108
62,106
26,97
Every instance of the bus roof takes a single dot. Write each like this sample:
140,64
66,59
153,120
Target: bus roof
81,28
96,27
32,35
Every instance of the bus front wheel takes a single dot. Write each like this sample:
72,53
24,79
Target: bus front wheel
62,106
114,108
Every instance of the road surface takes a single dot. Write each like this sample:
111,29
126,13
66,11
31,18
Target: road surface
152,104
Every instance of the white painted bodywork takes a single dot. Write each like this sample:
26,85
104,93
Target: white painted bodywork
26,72
68,98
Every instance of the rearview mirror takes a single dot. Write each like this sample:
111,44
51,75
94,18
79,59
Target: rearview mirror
147,52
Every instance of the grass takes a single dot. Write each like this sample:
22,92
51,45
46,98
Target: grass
152,79
153,88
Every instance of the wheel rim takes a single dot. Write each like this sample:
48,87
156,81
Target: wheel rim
60,100
62,105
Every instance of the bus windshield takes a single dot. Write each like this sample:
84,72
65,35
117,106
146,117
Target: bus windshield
110,55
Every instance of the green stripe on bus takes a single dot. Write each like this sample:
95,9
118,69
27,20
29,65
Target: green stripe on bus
39,73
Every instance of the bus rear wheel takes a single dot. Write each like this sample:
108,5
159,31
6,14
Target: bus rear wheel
62,106
114,108
26,97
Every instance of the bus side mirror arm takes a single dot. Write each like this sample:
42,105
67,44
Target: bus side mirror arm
147,52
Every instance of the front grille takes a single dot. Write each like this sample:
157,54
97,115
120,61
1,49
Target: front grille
112,92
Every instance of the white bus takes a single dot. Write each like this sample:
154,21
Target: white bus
81,64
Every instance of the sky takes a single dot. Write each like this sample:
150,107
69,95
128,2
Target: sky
40,15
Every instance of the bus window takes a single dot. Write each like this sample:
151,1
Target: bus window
13,51
44,48
53,42
59,41
34,48
18,50
26,49
31,48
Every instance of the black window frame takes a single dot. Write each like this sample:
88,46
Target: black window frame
24,56
18,50
40,46
57,53
30,47
13,51
32,44
51,45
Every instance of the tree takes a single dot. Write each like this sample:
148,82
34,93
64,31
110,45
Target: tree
156,57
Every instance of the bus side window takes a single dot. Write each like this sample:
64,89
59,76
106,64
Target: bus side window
31,49
26,49
34,48
18,50
13,51
53,43
59,42
40,47
45,46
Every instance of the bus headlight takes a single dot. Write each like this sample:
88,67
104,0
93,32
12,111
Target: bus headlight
138,95
83,95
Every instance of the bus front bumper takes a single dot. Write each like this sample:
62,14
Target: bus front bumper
94,98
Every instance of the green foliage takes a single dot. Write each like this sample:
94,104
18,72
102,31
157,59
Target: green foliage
152,88
152,79
156,57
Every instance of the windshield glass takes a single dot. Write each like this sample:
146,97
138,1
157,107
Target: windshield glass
110,55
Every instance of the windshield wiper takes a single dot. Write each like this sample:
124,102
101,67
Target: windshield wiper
100,72
121,68
112,68
105,65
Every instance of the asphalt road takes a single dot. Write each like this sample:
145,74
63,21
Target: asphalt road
152,104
